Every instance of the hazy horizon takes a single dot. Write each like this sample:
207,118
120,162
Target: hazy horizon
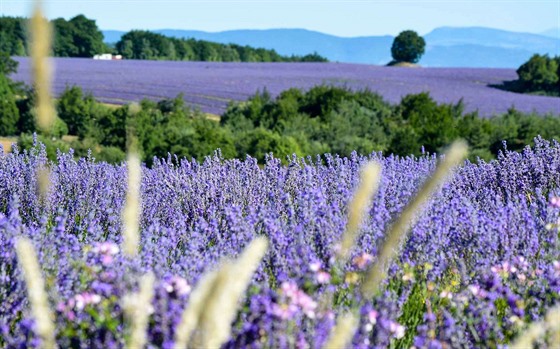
312,30
345,19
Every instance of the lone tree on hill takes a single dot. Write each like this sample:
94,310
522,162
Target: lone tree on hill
408,47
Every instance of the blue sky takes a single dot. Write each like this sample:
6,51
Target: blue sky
343,18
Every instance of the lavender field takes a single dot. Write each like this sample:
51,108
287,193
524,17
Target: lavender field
211,86
481,263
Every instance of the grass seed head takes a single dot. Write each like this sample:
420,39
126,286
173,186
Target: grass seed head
137,308
343,332
36,292
131,212
369,183
229,287
40,47
397,233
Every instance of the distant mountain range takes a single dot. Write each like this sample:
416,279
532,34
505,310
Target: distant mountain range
552,32
446,46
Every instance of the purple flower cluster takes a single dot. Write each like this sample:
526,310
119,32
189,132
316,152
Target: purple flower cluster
210,86
479,264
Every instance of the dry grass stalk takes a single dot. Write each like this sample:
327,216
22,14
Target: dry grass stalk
138,307
390,247
191,315
40,39
370,178
538,330
36,292
131,212
214,302
43,182
222,305
342,334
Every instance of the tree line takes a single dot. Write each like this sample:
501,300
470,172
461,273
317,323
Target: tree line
77,37
141,44
80,37
324,119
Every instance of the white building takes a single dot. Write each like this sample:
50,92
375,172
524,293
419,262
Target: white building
107,56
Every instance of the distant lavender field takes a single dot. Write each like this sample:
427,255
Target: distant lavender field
210,86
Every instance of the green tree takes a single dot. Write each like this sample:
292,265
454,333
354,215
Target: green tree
9,114
77,110
19,48
127,49
12,35
434,124
408,46
64,45
539,73
87,37
112,127
260,142
7,64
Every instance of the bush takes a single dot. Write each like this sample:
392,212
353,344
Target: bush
9,113
540,73
260,142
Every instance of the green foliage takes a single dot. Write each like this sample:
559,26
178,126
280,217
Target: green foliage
9,113
260,142
7,65
408,46
59,128
142,44
540,73
89,147
25,105
412,314
333,119
77,37
79,111
13,35
53,146
433,123
324,119
111,127
86,36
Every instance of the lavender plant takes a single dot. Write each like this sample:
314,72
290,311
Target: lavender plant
477,267
211,86
480,263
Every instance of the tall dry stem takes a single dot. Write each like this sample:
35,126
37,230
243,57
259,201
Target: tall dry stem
214,303
538,330
214,327
342,334
391,245
369,183
131,211
36,292
40,47
191,315
137,307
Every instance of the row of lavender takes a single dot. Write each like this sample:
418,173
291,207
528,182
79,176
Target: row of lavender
210,86
480,263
